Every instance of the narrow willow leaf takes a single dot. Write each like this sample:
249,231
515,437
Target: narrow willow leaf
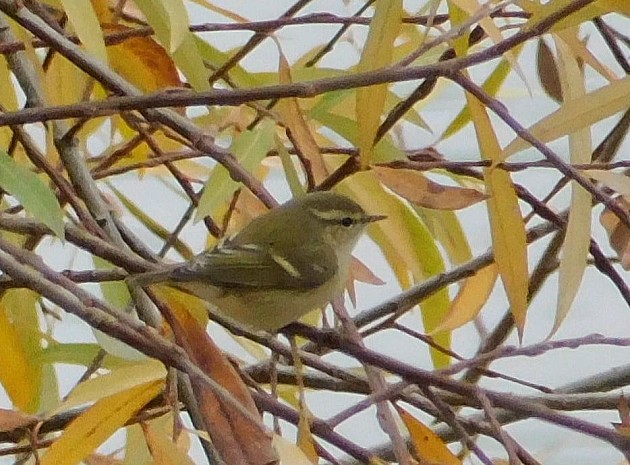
470,299
618,182
169,20
116,382
95,425
16,371
35,196
249,147
578,235
293,119
429,447
506,222
290,173
85,23
577,114
163,449
377,53
407,245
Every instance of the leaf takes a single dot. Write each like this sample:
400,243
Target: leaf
151,224
577,114
16,371
227,424
470,299
163,450
116,382
548,71
420,190
618,233
142,61
297,127
250,148
506,222
35,196
446,228
290,172
305,439
86,25
407,245
94,426
14,419
289,453
619,182
377,53
428,446
21,343
169,20
578,234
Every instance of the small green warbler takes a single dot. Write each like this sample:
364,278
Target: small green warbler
282,265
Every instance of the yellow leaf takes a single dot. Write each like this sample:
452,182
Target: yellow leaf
470,299
94,426
163,450
448,231
578,234
289,453
114,383
407,245
577,114
63,82
16,371
474,8
305,438
85,23
377,53
428,445
619,182
506,222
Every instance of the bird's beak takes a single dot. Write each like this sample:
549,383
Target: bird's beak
373,218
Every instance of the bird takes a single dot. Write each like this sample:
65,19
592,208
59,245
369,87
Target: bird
293,259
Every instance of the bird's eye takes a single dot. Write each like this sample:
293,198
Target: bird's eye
347,221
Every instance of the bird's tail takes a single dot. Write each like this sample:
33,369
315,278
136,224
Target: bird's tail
151,277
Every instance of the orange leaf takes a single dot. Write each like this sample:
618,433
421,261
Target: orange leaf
226,424
142,61
14,419
417,188
297,128
428,445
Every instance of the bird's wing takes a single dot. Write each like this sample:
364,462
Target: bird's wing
244,266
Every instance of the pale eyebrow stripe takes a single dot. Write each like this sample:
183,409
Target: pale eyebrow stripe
330,215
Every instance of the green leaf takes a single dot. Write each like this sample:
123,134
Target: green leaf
249,147
35,196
